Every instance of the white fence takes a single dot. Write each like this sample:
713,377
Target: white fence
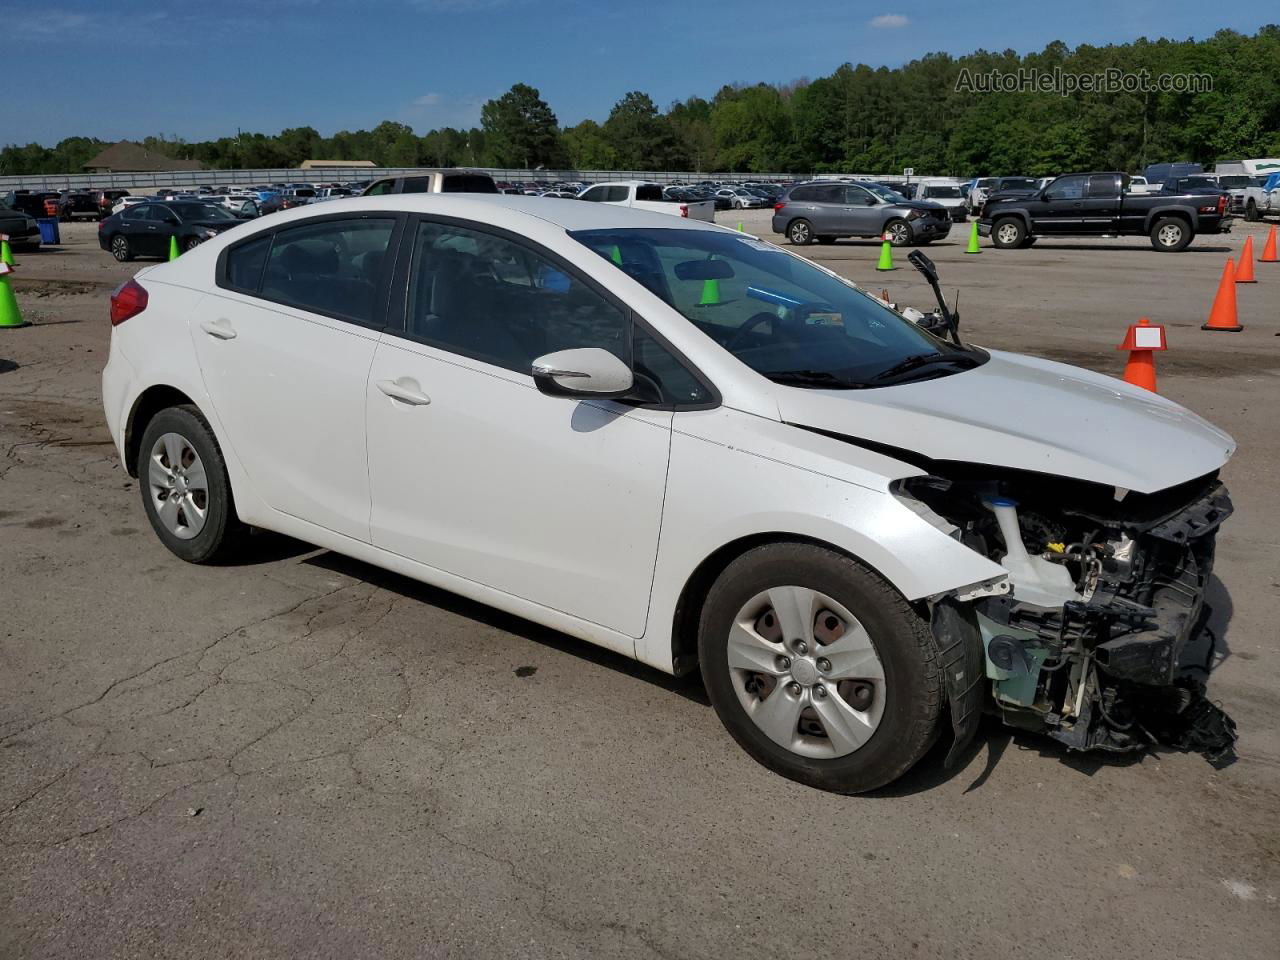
211,178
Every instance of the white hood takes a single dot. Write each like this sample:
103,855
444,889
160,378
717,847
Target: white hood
1028,414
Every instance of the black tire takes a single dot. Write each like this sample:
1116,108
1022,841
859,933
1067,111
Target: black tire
899,232
1251,211
913,679
222,534
189,243
1171,234
121,248
1008,233
800,232
826,240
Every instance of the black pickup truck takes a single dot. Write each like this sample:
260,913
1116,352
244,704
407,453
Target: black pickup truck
1100,204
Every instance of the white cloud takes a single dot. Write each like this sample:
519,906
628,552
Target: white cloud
427,100
889,21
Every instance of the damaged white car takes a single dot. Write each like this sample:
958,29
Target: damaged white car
694,448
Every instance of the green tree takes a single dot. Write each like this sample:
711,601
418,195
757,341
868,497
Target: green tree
639,136
521,130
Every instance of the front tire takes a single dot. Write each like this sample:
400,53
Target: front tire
1170,234
190,243
1251,211
186,493
1009,233
800,233
899,232
852,667
121,249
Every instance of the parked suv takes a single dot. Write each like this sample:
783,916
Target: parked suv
434,181
78,203
825,211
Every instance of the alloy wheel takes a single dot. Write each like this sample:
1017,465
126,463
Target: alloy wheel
1008,233
1169,235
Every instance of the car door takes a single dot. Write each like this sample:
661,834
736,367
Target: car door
1062,209
1101,210
141,224
475,472
285,341
862,214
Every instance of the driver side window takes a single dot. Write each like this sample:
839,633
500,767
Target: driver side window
1067,188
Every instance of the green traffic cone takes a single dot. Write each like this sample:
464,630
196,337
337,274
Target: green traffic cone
740,230
886,257
173,248
973,239
6,253
710,293
616,255
10,315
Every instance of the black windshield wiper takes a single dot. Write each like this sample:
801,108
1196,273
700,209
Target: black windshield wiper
812,378
918,360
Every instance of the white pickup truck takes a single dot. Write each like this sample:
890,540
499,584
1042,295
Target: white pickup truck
1263,201
648,196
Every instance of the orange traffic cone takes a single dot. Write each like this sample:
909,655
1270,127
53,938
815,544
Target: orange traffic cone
1244,272
1142,341
1223,315
1269,248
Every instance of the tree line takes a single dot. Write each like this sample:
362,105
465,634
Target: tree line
925,114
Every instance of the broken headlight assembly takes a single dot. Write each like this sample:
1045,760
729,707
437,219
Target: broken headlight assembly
1098,635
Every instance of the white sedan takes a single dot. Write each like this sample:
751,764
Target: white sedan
686,445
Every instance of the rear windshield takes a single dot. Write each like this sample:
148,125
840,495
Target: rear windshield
467,183
649,191
1017,183
941,192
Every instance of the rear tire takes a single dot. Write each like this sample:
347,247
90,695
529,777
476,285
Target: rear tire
121,249
852,735
190,243
800,232
1009,233
1251,211
1170,234
186,493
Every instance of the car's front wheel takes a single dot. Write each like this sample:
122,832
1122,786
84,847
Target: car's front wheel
190,243
121,249
1251,211
800,232
1008,234
185,490
898,232
818,668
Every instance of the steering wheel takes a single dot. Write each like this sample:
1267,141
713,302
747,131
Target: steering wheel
764,316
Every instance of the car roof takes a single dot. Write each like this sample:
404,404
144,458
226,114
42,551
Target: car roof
568,216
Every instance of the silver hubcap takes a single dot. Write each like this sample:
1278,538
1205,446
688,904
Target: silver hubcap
1170,235
806,672
898,232
1008,233
800,233
179,486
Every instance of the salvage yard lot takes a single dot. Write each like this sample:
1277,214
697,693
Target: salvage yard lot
304,756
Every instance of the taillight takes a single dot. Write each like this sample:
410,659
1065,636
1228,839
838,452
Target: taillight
129,300
684,209
1222,203
778,206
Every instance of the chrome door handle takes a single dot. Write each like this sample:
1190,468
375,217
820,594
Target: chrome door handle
402,391
218,328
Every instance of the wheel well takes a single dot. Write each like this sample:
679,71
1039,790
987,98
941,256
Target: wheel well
684,626
1169,215
151,402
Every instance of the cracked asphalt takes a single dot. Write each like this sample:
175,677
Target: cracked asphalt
302,755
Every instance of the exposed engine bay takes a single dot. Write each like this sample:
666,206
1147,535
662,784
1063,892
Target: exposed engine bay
1098,636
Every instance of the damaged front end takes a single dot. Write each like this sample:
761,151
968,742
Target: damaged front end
1097,637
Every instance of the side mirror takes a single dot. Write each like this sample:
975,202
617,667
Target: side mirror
584,372
870,201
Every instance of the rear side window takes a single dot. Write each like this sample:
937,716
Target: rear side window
800,194
245,263
466,183
1102,186
333,267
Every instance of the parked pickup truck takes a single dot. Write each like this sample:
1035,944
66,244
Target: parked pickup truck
1101,204
1263,201
648,196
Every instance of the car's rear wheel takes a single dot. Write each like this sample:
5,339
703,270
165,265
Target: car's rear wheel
818,668
1251,211
899,232
800,232
185,490
121,249
1170,234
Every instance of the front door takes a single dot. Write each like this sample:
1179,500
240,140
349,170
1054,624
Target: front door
553,500
1063,207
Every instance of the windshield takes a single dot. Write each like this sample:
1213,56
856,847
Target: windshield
934,192
200,211
1017,183
893,196
781,315
1233,182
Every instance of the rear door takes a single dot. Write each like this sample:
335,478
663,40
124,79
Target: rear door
141,224
1101,211
285,342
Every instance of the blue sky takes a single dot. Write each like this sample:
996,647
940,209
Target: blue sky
128,68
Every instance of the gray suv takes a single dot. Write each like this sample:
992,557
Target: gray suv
827,210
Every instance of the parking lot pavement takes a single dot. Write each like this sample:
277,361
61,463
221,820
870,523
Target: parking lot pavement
304,756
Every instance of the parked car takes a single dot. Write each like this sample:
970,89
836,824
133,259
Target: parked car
740,198
21,228
128,201
144,229
944,192
434,181
77,203
34,203
819,505
826,210
647,196
1137,184
1264,200
977,194
1158,173
1099,204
